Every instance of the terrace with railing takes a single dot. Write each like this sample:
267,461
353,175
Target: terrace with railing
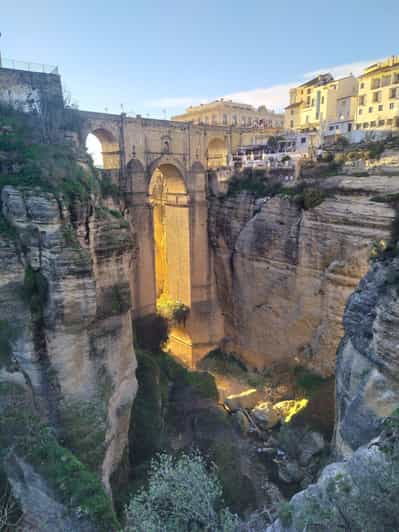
29,67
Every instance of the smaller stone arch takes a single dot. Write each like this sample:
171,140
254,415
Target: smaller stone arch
109,148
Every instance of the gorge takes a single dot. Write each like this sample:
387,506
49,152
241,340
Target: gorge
268,282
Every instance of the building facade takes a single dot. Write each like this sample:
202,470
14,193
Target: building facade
378,96
322,104
228,113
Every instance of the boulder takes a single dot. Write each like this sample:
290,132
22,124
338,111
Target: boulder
265,415
241,421
312,443
287,409
289,471
244,400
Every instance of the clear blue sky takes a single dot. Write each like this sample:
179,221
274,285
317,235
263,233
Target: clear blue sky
144,53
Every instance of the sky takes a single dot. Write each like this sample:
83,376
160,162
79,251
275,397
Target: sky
155,58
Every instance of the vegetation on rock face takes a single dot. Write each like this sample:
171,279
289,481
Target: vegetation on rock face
59,169
24,434
182,494
359,498
83,431
35,291
172,310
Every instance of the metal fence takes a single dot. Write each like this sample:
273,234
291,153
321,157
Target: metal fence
30,67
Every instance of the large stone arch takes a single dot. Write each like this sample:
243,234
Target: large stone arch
166,160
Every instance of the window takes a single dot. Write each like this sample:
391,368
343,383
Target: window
389,122
243,120
377,96
331,128
322,100
362,87
373,123
365,125
308,100
386,80
291,124
235,120
362,99
392,105
370,109
358,126
360,111
393,92
337,127
292,112
225,119
309,91
396,77
303,140
380,107
376,83
312,102
381,123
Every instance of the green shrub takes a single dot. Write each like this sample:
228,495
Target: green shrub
182,494
254,185
172,310
308,380
108,188
312,197
284,513
146,427
30,438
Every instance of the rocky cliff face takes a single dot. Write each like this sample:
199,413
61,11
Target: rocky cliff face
359,493
284,274
66,327
367,377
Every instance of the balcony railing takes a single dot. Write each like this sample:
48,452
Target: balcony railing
30,67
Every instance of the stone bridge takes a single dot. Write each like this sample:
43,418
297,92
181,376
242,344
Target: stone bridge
162,170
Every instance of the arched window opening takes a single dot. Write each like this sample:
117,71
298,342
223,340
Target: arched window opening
103,148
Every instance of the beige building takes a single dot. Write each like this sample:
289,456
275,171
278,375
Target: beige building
378,98
228,113
323,104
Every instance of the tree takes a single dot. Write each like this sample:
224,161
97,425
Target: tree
182,494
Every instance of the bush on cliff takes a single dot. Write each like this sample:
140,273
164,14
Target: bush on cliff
182,494
27,162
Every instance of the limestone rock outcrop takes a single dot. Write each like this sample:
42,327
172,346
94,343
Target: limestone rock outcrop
65,312
362,489
367,377
284,274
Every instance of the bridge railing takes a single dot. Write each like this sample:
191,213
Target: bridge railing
13,64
